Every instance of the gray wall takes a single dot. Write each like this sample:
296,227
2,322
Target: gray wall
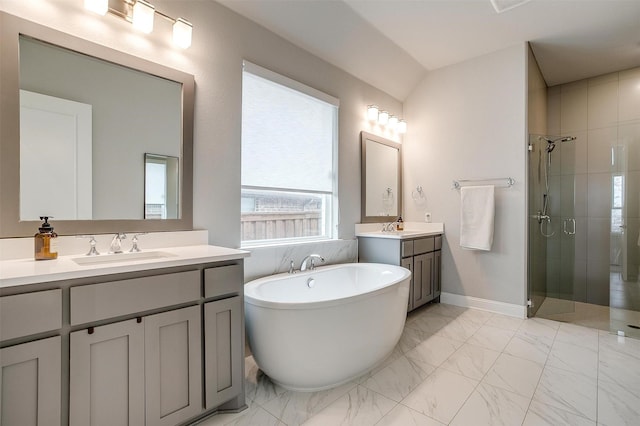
221,40
469,121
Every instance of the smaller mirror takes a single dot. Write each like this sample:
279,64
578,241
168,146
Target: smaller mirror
161,186
381,178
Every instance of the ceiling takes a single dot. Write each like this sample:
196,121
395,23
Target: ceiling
391,44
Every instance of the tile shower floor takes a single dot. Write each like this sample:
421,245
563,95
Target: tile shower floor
457,366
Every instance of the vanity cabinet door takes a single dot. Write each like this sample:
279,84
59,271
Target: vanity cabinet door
408,264
422,284
107,375
30,377
223,350
173,366
437,273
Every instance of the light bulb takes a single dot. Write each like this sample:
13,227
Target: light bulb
383,118
372,113
143,14
393,122
97,6
182,30
402,126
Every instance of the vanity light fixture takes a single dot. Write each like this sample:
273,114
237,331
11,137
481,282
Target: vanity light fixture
141,14
372,113
402,127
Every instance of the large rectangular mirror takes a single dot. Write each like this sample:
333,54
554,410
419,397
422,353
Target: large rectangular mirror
76,121
381,178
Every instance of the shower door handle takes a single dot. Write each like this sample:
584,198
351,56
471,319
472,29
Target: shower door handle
573,227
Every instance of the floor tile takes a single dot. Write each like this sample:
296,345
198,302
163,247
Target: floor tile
568,391
405,416
459,329
529,346
578,335
505,322
489,405
360,406
434,351
399,378
491,337
617,405
546,415
411,337
441,395
476,316
540,327
396,354
294,408
471,361
515,374
429,324
619,363
258,387
579,359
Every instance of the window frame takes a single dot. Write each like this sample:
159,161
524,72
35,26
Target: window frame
331,229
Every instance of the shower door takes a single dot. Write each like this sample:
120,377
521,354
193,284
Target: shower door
554,230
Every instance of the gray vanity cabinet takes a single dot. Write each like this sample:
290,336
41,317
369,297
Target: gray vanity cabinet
420,255
30,380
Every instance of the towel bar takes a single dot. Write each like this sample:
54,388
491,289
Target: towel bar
508,182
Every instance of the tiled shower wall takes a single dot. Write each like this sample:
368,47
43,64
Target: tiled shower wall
603,113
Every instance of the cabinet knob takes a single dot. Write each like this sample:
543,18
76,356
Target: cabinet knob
138,320
90,330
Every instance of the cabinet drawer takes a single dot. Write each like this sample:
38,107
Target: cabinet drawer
111,299
223,280
30,313
438,242
407,248
423,245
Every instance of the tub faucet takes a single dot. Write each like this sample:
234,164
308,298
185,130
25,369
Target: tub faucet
116,243
312,266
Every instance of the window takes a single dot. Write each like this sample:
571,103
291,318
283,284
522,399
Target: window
289,159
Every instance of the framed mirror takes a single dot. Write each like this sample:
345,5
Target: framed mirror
381,193
77,119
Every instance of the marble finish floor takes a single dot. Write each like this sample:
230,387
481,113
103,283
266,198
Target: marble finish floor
456,366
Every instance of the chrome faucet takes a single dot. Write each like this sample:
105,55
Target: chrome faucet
310,258
116,243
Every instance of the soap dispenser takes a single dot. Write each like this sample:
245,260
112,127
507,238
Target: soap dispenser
44,241
399,224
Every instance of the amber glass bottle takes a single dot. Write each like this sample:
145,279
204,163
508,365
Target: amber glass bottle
44,244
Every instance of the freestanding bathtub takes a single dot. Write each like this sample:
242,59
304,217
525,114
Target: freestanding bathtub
317,329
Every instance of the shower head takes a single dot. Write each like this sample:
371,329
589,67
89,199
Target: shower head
551,143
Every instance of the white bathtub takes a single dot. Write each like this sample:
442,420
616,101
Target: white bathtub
309,338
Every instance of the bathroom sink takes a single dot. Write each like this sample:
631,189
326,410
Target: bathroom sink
120,257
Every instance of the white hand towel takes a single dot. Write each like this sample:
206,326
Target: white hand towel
477,208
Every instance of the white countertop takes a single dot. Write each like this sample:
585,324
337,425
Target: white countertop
28,271
412,230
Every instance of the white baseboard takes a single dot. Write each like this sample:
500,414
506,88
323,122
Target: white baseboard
484,304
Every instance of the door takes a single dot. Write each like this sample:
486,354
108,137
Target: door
422,288
173,366
107,375
556,223
223,350
407,263
52,131
30,380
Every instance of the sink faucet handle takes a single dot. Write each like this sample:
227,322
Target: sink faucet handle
313,265
92,242
134,242
292,269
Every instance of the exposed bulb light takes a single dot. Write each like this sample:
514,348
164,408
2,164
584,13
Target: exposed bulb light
402,126
182,30
372,113
101,7
393,122
143,14
383,118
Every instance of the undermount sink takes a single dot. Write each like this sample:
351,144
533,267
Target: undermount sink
121,257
